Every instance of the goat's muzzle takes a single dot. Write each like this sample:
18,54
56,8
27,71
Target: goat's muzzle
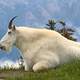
2,47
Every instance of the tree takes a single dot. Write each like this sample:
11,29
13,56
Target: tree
51,24
62,22
66,32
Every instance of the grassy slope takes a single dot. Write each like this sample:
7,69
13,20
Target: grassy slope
69,71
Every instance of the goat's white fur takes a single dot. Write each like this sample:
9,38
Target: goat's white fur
43,49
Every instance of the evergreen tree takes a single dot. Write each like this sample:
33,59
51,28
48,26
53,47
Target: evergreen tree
66,32
51,24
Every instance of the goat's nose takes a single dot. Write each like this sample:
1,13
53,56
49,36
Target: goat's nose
2,47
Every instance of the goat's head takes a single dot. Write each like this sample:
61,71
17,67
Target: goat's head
9,38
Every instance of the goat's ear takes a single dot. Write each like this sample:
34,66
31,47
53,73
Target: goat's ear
13,27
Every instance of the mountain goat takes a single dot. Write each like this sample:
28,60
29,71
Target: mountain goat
41,48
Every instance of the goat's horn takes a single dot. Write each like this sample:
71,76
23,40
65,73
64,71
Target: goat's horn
11,21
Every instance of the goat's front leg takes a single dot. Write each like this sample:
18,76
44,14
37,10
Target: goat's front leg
26,66
51,62
45,64
40,66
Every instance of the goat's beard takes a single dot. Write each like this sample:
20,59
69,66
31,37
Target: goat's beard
8,48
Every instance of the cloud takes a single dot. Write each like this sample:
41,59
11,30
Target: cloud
12,3
30,16
53,7
44,12
39,9
9,64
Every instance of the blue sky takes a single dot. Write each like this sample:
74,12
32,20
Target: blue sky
35,13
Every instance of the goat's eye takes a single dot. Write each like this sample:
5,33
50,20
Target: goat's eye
9,32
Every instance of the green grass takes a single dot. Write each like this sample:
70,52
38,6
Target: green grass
70,71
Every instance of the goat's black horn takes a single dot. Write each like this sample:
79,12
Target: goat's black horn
11,21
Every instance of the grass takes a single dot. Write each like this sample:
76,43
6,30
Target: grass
70,71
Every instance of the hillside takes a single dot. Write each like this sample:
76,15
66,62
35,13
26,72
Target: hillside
70,71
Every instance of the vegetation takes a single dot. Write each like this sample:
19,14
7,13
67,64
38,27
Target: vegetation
70,71
65,31
51,24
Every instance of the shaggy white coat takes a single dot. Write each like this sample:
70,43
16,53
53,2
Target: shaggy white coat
41,48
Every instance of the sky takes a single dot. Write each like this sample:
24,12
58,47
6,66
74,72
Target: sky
36,13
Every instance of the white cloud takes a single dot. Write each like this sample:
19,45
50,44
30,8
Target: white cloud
29,15
44,12
70,2
53,7
11,3
9,64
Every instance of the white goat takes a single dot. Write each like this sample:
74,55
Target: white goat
41,48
